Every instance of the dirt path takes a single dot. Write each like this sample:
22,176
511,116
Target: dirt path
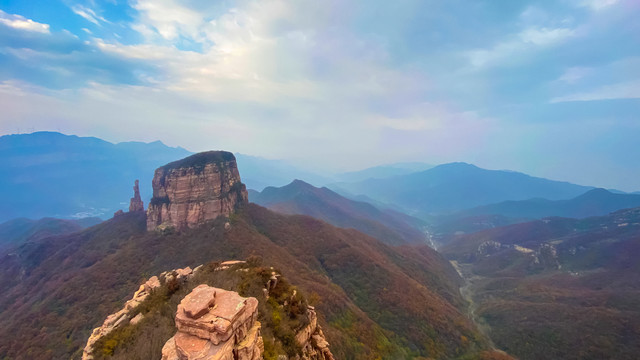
467,291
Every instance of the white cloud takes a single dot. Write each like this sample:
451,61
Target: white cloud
597,5
624,90
519,45
168,18
22,23
88,14
574,74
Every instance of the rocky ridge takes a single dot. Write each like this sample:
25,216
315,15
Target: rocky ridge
128,313
190,191
214,323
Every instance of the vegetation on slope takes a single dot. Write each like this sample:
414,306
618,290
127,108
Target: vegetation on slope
281,316
374,301
573,295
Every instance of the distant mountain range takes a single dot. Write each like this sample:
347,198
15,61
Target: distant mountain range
48,174
456,186
301,198
258,173
66,176
596,202
51,174
383,171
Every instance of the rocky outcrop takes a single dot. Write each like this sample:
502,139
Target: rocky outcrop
136,203
215,324
128,313
193,190
312,341
310,338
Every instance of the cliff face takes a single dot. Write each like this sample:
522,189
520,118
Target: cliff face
198,188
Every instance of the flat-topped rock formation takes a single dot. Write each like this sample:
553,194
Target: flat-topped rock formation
198,188
215,324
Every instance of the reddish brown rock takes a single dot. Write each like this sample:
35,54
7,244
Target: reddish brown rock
215,324
199,301
190,191
136,203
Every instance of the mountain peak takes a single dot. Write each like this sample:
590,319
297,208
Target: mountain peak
596,193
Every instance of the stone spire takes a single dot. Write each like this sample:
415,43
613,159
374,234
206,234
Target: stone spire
136,203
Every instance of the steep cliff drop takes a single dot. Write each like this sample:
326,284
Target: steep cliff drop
190,191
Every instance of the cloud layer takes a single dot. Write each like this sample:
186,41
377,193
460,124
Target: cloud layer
335,84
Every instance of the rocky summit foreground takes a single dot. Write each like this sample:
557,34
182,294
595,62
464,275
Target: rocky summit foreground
195,189
215,324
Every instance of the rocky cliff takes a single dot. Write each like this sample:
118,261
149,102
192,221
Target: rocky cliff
198,188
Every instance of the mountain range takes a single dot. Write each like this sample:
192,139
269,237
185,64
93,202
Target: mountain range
457,186
48,174
298,197
51,174
596,202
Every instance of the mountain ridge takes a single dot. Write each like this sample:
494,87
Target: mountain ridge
595,202
299,197
457,186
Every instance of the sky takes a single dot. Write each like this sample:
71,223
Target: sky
549,88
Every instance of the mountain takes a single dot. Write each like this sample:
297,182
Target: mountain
48,174
258,173
456,186
18,231
557,287
301,198
383,171
596,202
375,300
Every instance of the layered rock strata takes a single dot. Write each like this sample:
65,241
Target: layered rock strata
136,203
193,190
215,324
126,314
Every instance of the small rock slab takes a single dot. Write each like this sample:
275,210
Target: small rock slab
199,301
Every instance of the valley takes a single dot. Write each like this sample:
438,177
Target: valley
468,285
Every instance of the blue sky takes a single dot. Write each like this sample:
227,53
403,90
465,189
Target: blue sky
551,88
